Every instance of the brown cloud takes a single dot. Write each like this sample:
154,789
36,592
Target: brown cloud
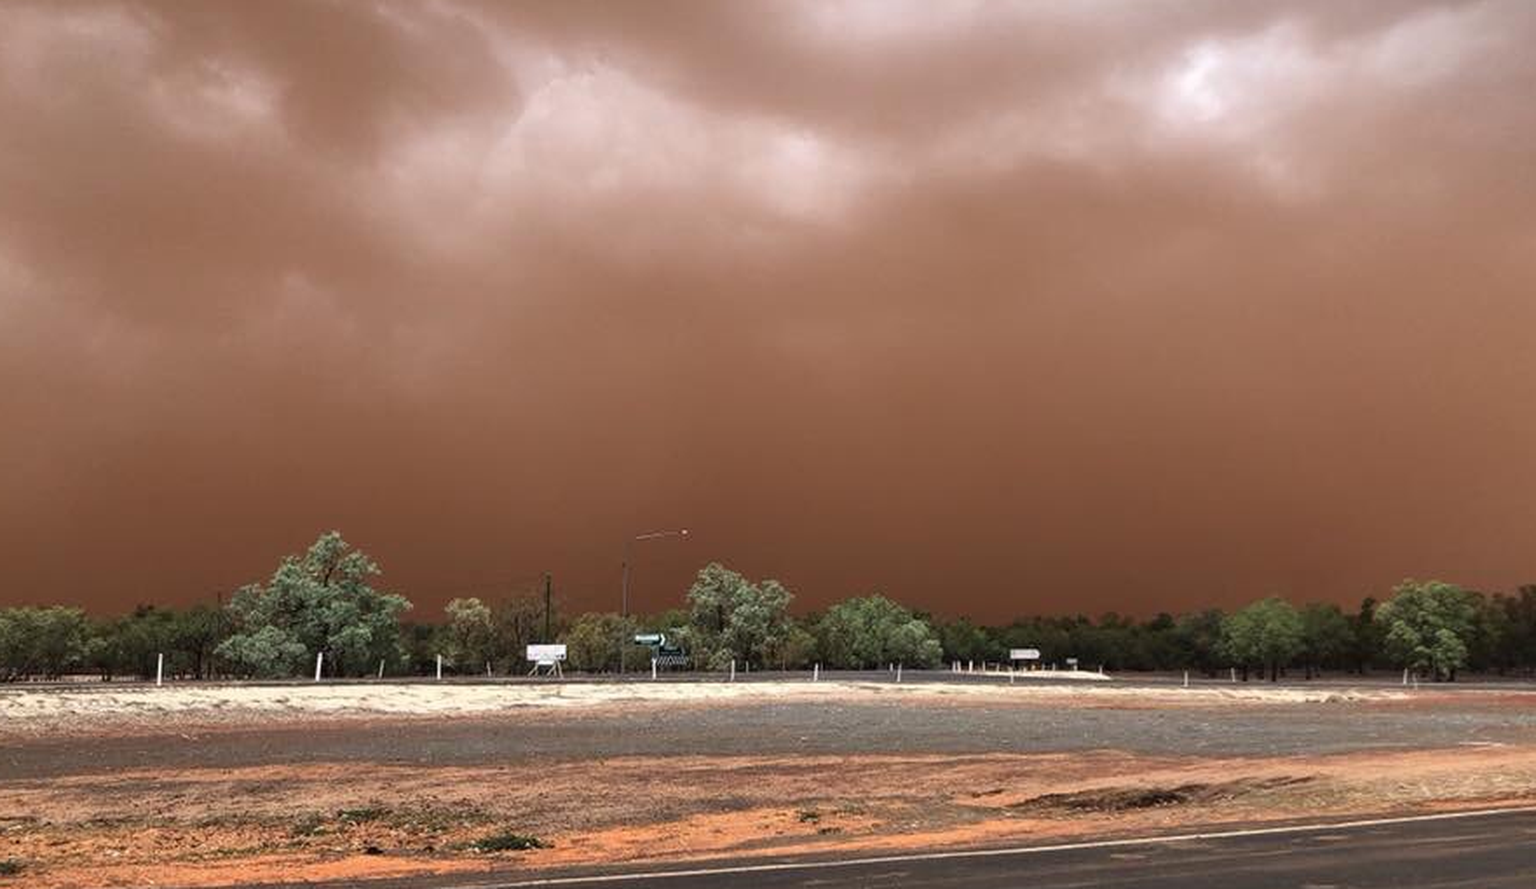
998,309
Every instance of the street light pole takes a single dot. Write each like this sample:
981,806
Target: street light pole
624,586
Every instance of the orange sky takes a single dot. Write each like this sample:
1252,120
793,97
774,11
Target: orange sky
997,309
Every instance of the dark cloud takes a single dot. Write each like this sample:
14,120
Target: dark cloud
998,309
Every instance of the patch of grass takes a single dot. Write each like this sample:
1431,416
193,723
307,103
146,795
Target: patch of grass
10,867
808,816
309,826
507,841
429,822
1121,799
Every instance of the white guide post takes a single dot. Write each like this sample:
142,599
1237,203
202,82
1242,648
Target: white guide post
439,666
160,668
319,659
733,669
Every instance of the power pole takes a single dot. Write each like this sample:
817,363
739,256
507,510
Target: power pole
548,583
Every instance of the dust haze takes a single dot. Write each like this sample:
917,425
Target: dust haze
995,309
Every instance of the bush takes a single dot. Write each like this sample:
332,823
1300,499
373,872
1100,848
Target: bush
506,841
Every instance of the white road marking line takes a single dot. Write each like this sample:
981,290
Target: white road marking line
726,870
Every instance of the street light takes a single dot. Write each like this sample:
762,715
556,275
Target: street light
624,601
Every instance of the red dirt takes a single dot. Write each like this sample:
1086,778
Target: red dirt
211,827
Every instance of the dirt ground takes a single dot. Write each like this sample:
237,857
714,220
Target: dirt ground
210,793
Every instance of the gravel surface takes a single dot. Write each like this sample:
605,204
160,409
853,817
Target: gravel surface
751,726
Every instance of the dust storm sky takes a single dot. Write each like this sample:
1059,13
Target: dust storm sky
998,309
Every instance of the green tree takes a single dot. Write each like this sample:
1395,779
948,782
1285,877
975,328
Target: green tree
1159,646
44,642
1517,642
1491,625
517,621
1049,635
873,631
318,602
1428,626
419,645
731,618
962,640
265,651
1326,636
1368,636
1197,636
592,643
793,648
1266,634
469,634
195,634
130,645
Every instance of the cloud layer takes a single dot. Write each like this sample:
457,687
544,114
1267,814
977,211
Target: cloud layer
994,308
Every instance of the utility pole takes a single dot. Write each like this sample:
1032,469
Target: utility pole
623,610
548,582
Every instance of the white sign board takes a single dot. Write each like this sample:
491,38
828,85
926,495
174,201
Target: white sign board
1023,654
544,655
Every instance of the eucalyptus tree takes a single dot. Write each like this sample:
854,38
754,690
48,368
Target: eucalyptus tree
1267,634
1429,626
317,602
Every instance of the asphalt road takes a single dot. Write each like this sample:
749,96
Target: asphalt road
1484,851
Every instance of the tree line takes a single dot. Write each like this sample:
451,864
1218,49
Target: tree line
321,604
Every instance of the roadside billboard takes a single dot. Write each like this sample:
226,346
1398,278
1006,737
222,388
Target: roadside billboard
544,655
